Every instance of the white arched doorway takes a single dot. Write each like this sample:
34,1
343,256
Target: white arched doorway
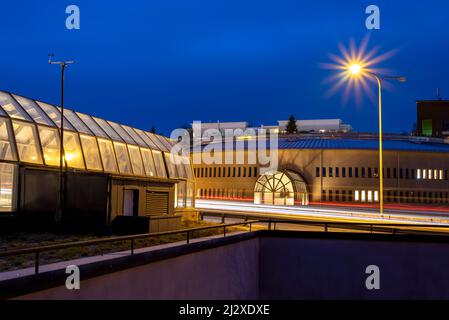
284,188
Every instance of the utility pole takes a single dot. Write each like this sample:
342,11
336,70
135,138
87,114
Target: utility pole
60,209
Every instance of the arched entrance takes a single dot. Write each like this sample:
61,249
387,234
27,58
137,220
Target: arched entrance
284,188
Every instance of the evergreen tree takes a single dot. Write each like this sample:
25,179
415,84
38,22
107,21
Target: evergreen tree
291,125
153,129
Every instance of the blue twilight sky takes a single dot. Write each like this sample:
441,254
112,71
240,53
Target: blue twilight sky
169,62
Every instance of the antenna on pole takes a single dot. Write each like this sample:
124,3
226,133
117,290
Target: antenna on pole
62,63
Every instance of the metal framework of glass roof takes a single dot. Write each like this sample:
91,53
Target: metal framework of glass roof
30,133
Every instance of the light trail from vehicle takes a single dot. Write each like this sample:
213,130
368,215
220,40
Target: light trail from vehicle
344,214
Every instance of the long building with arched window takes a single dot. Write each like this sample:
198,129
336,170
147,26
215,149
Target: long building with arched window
330,170
111,172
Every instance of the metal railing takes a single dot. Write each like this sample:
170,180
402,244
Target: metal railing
271,224
131,238
370,227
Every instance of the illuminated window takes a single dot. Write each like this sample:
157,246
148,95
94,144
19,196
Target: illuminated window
188,168
6,151
441,175
159,164
424,174
11,106
429,174
108,129
124,165
123,134
376,196
91,152
370,196
34,110
418,174
435,174
93,126
72,151
181,190
180,168
136,160
363,196
357,195
107,155
50,145
8,179
170,162
148,162
79,125
189,194
54,114
134,135
27,142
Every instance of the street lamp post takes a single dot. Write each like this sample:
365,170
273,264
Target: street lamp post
357,69
60,208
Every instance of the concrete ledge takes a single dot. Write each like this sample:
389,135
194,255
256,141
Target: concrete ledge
268,264
50,279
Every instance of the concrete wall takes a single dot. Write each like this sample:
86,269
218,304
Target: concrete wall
267,265
292,268
226,272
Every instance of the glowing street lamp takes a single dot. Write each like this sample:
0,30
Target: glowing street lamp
357,70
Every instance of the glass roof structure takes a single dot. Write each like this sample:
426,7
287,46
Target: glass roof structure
30,133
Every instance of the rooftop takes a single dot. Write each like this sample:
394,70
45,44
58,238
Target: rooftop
29,133
353,141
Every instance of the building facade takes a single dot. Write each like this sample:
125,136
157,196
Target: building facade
320,170
433,118
110,170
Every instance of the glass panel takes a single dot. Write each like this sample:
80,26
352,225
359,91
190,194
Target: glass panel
136,160
12,107
159,164
135,136
7,186
93,126
125,136
55,115
50,145
188,168
122,158
179,166
169,160
27,142
72,150
167,142
91,153
107,155
189,194
150,170
6,151
108,129
76,121
145,138
181,194
34,110
156,141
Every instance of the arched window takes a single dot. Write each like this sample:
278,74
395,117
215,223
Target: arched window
280,188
